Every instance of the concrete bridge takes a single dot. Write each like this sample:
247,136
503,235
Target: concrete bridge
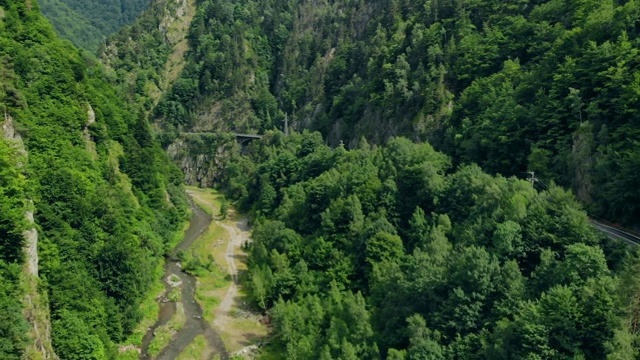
244,138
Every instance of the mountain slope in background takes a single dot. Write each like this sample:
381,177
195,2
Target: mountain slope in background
81,162
545,86
87,23
390,250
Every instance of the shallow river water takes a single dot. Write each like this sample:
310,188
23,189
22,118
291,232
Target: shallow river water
195,324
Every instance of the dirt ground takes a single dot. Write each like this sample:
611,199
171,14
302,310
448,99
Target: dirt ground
238,324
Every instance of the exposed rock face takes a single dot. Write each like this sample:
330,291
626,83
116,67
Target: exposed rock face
90,145
201,156
582,161
173,19
91,115
31,245
35,308
9,133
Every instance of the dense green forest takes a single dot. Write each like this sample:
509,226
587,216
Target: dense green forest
530,85
390,252
87,23
396,231
106,200
13,326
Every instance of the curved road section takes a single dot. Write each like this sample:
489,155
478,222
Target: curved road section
616,233
195,324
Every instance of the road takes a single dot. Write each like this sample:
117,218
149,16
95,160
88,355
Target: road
615,233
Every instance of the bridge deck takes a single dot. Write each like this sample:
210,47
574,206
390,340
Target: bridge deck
248,136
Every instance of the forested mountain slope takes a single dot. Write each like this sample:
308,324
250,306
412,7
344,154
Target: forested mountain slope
148,54
87,23
393,250
396,250
390,253
544,85
104,197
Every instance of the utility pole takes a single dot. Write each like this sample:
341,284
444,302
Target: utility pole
533,178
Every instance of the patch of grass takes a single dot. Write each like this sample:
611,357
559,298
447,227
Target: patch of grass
208,304
162,338
206,293
175,295
209,200
249,325
179,318
164,333
195,350
130,354
208,210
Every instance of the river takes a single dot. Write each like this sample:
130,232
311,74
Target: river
195,324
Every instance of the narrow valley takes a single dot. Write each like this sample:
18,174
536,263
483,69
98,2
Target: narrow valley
352,180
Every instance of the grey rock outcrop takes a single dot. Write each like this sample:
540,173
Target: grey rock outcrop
201,156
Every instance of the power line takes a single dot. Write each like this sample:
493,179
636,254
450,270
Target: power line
544,185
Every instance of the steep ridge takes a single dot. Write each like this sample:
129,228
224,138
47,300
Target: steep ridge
35,307
151,52
105,198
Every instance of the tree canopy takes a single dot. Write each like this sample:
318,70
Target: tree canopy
391,252
105,198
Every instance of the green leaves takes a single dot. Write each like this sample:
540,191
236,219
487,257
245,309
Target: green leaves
73,339
12,203
105,203
87,23
336,327
13,326
487,267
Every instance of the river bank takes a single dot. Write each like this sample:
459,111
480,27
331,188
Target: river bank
200,313
179,317
225,299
